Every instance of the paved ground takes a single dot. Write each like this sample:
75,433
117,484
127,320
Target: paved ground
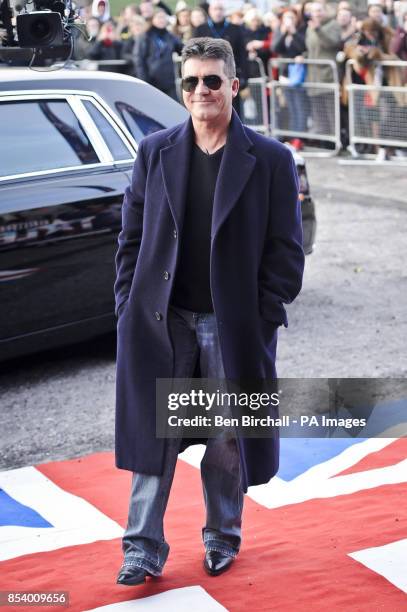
349,321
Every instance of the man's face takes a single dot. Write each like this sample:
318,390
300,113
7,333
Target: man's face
101,8
206,104
344,17
216,12
317,11
160,20
146,9
375,12
93,27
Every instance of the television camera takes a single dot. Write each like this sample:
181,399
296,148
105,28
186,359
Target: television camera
44,31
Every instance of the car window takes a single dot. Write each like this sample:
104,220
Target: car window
116,145
41,135
138,123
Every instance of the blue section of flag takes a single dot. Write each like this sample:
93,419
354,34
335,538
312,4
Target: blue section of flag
18,515
297,455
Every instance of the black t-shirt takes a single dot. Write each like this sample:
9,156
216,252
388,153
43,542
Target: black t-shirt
192,281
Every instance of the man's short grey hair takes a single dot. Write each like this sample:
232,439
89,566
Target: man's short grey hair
210,48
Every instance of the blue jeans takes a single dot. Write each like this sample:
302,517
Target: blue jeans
297,102
194,337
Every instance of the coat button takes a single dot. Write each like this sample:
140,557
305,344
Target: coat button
174,233
166,275
158,316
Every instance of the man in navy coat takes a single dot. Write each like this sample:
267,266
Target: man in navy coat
209,252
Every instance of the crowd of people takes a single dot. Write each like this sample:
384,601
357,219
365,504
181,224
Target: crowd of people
147,35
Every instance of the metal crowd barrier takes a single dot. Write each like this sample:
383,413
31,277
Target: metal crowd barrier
378,114
254,108
309,111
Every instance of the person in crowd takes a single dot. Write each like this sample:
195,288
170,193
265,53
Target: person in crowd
400,7
101,10
162,5
237,18
358,7
290,43
344,4
254,26
84,39
204,5
375,11
128,13
146,8
398,44
153,54
182,28
217,26
198,17
255,30
272,21
380,109
306,12
137,27
322,41
390,13
263,47
107,46
347,24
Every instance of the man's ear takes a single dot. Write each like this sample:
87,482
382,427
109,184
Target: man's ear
235,87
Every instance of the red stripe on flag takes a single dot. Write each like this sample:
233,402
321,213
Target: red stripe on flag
390,455
293,558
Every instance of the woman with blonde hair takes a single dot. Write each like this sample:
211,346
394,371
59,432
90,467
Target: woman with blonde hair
182,28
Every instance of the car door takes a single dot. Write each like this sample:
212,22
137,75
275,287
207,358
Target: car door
61,191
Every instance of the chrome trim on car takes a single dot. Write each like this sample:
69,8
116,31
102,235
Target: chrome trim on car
54,171
75,100
76,92
107,113
95,137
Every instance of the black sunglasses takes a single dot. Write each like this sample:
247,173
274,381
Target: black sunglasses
212,81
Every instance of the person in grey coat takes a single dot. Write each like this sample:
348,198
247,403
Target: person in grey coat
323,42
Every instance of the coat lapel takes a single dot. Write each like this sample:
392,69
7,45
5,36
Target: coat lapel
175,170
234,172
236,167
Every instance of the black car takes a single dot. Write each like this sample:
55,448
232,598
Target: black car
68,142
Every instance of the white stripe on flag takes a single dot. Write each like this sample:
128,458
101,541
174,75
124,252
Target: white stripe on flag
320,481
74,520
390,561
177,600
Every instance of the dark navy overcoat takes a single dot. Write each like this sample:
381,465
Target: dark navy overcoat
257,265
